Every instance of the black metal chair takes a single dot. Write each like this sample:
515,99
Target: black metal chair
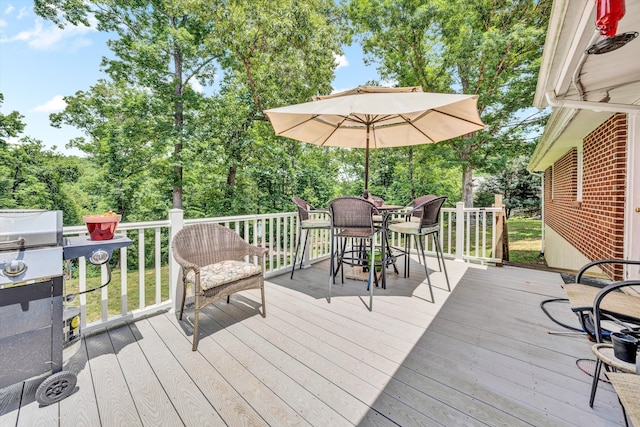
352,218
423,220
307,223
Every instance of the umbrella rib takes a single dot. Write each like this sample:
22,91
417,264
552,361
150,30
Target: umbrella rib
297,125
459,118
335,128
410,122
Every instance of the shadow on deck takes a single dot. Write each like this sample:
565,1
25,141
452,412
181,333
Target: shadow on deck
481,355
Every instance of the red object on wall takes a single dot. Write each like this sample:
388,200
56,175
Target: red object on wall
608,13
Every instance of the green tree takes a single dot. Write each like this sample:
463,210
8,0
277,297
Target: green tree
491,49
268,53
159,51
273,54
11,125
520,189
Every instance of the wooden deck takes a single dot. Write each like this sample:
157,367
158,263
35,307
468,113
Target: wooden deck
480,356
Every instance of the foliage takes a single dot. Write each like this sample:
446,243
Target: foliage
520,189
11,125
178,119
165,105
32,177
491,49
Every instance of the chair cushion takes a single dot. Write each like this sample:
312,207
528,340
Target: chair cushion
224,272
315,223
411,227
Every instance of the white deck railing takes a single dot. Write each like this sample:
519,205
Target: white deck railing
467,234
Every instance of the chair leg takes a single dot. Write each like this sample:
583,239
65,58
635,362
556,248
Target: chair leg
426,269
295,257
594,385
372,274
184,296
195,329
264,304
387,251
304,247
331,265
340,257
440,254
407,243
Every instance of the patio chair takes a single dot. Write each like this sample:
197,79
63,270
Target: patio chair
627,387
307,223
217,262
423,220
626,315
581,297
352,218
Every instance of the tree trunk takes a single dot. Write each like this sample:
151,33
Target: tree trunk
179,124
467,186
177,171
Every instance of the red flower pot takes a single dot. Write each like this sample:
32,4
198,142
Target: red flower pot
101,227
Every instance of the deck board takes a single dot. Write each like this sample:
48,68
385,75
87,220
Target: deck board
480,356
80,409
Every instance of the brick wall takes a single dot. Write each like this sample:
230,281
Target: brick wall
595,226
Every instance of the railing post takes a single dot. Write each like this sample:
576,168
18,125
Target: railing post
500,249
460,231
176,220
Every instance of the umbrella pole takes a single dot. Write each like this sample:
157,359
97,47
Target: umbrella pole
366,163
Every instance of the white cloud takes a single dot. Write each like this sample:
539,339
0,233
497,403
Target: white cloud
51,37
3,23
389,83
56,103
9,10
341,61
12,140
196,86
23,12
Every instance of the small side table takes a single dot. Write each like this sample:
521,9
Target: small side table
627,388
604,354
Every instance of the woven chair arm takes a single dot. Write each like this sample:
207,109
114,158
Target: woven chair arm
256,250
186,265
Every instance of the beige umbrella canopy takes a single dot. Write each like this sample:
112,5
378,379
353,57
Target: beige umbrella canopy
378,117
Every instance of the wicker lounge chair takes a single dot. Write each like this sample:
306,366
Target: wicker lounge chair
307,222
218,263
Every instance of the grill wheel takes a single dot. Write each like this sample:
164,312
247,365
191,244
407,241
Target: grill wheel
56,387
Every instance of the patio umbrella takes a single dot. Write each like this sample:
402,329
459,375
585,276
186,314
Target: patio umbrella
378,117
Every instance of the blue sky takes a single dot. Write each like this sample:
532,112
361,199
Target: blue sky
39,64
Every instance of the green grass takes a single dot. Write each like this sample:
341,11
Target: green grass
525,238
114,290
524,247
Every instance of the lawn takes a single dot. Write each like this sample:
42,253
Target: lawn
525,239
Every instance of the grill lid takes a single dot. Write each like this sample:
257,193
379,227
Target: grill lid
29,228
